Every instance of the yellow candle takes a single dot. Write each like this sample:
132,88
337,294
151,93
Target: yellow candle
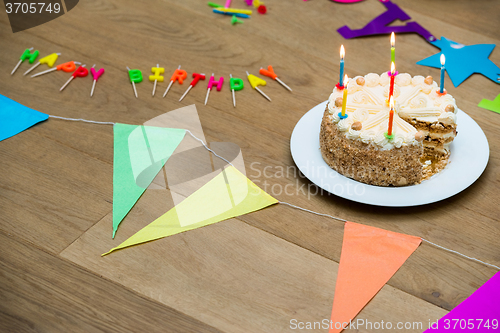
344,97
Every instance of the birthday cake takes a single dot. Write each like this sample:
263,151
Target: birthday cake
359,147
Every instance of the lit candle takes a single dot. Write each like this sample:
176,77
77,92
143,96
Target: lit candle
442,74
391,119
393,72
393,49
344,98
342,55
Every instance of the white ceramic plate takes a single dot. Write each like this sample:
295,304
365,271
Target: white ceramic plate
468,159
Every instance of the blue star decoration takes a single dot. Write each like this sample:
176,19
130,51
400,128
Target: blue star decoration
463,60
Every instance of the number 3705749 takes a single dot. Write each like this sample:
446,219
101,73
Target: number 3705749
32,8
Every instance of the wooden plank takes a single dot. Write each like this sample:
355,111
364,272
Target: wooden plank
51,193
43,293
229,275
301,42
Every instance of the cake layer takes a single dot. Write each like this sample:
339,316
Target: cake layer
366,162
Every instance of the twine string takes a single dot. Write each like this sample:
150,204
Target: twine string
286,203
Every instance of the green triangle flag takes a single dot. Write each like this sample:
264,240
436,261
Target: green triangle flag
139,154
227,195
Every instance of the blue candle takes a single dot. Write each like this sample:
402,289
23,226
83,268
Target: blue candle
342,54
441,89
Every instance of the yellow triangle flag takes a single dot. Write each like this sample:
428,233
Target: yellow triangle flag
227,195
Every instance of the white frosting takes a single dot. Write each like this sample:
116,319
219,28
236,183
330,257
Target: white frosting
367,104
372,80
352,134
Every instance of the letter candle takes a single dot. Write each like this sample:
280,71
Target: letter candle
95,76
443,59
342,55
270,73
50,60
255,82
393,74
197,77
135,76
26,55
393,49
212,82
179,75
342,114
66,67
80,72
156,76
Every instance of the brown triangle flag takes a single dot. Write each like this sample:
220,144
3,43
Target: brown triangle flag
370,257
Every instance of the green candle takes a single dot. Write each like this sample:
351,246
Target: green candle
393,49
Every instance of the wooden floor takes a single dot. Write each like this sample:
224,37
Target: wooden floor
254,273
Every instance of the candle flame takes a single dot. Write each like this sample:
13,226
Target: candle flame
342,52
393,39
391,103
393,68
443,59
346,81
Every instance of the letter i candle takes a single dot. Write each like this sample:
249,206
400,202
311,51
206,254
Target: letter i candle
270,73
96,76
67,67
26,55
211,83
255,82
179,75
197,77
156,76
49,60
80,72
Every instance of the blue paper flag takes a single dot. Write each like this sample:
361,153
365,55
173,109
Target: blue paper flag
15,117
463,60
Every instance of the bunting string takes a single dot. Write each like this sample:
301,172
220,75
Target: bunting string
84,120
286,203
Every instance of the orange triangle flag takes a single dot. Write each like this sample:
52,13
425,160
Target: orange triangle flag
370,257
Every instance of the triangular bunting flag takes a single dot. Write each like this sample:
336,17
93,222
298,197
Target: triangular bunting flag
227,195
139,154
478,313
15,117
370,257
